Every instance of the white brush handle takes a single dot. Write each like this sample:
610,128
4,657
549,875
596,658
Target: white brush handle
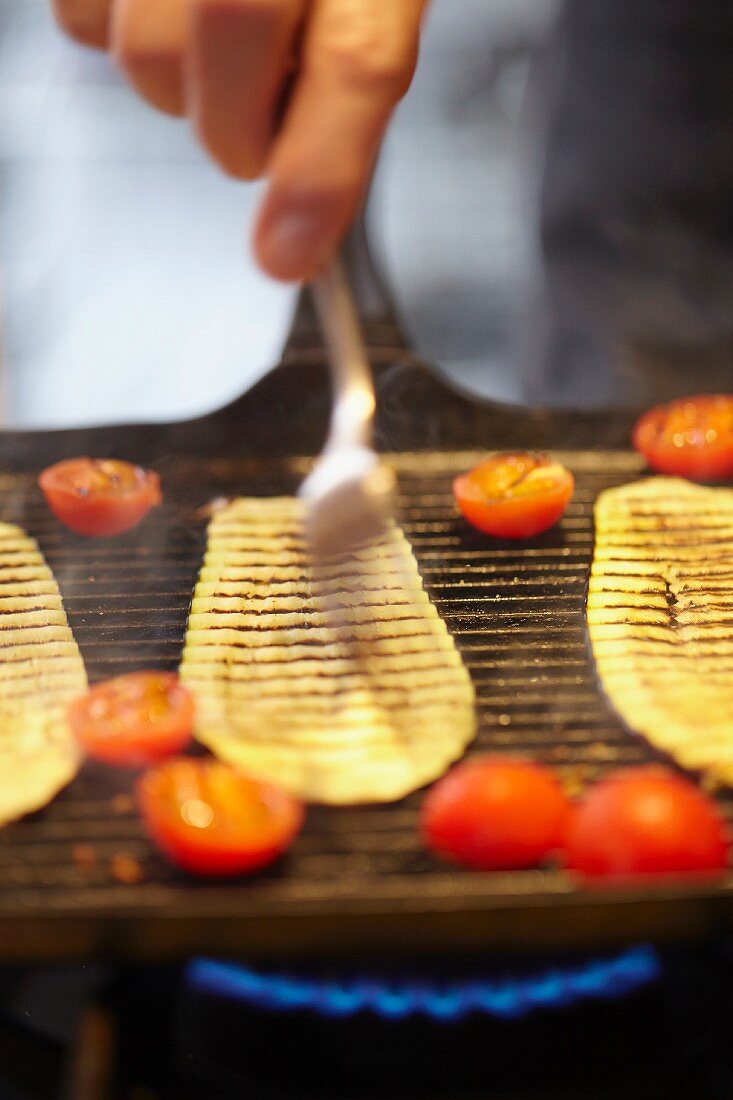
352,418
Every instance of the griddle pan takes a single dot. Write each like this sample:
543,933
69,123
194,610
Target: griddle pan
358,880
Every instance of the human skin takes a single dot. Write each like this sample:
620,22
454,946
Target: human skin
299,91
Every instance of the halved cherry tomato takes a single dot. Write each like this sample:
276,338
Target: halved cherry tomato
99,496
646,821
691,437
134,719
212,820
514,496
494,813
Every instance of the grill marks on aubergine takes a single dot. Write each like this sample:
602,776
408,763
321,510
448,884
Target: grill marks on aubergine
41,671
660,615
338,681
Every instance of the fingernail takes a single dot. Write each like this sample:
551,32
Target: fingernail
293,246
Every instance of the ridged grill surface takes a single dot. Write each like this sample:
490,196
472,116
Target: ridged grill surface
517,612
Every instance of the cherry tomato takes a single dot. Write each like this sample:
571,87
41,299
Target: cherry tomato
99,496
134,719
691,437
495,813
212,820
514,496
646,821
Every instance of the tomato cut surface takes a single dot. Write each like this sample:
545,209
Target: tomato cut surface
494,813
514,496
212,820
646,821
134,719
99,496
691,438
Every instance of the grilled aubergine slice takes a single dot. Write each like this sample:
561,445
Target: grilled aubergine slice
339,681
660,615
41,671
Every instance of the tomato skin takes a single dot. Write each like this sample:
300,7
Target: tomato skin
514,496
99,497
495,813
213,821
646,820
691,437
134,719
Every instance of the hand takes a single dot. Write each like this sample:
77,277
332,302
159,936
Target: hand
300,90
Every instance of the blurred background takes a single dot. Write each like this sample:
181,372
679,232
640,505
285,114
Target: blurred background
126,287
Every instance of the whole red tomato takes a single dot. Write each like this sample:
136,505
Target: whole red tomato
496,812
646,821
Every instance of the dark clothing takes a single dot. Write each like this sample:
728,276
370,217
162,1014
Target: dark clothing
635,103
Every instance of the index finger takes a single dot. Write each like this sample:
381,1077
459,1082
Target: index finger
87,21
358,59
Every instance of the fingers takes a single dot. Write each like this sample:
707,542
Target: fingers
229,63
240,51
148,41
358,59
85,20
